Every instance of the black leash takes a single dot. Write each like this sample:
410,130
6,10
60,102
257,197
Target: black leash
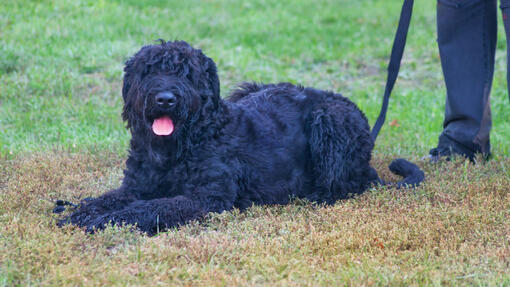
394,66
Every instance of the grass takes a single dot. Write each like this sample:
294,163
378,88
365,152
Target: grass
61,136
455,229
61,64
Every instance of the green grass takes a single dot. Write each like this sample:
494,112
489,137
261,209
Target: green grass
61,136
61,63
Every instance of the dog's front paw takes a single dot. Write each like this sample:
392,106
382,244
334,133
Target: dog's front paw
78,218
60,205
99,223
115,218
87,211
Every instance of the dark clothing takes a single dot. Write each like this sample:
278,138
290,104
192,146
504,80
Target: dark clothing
467,33
505,10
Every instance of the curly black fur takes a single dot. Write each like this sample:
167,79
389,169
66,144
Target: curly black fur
262,145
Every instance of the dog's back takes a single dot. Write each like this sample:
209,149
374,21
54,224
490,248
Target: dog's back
317,140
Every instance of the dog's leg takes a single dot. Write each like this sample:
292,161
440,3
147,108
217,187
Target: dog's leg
91,208
340,149
212,189
156,215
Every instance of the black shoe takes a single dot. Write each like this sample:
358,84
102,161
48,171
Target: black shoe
440,153
447,153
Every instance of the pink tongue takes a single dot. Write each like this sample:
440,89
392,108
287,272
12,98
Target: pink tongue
163,126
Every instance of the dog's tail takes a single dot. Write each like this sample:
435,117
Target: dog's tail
411,173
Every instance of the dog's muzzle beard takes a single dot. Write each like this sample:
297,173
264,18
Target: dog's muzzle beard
168,104
159,113
160,128
164,125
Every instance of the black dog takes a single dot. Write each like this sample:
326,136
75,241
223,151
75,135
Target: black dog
193,153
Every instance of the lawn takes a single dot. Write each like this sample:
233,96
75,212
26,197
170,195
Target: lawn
61,136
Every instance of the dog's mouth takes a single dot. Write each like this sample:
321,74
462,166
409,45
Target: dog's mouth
163,126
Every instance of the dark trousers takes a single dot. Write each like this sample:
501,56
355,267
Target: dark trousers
467,32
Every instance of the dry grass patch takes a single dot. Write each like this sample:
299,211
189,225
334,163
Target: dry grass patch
455,229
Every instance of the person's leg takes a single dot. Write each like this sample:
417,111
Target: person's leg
467,32
505,10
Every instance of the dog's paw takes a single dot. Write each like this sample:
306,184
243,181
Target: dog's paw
87,200
85,214
60,206
78,218
101,222
59,209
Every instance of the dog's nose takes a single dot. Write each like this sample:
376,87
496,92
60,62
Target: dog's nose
166,99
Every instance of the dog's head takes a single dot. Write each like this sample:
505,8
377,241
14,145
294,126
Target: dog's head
168,85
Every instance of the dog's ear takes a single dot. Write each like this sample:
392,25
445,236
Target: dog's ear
133,70
212,77
131,67
210,84
131,81
128,75
128,82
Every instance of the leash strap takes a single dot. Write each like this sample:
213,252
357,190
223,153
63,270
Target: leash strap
394,66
